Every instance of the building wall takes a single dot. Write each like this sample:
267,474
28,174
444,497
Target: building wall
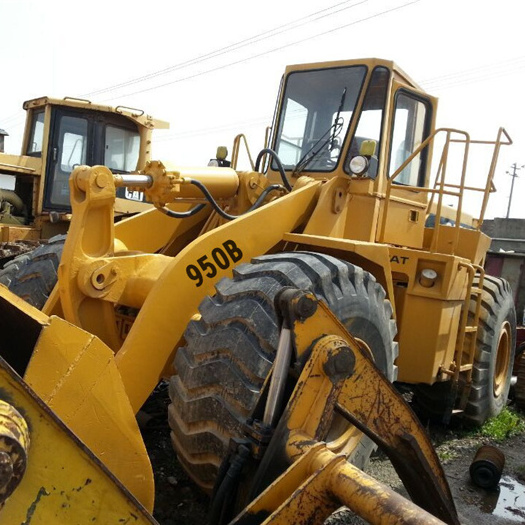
507,256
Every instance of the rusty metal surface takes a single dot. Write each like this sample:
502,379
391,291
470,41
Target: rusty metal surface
368,400
318,483
339,378
519,392
14,443
487,466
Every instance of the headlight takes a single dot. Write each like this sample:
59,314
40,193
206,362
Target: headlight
359,165
428,277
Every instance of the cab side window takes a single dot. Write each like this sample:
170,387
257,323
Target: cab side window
121,151
36,139
410,129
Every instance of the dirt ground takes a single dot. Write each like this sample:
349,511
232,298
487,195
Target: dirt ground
475,506
178,501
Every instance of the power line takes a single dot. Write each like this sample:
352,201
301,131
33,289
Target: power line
466,72
204,131
234,47
240,61
11,118
486,72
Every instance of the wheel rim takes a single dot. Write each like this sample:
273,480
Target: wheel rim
501,366
343,437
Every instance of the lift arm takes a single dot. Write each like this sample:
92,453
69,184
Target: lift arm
339,377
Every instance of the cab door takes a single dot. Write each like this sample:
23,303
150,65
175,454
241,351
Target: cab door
71,144
411,122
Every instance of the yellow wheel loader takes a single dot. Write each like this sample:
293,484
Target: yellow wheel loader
34,202
280,303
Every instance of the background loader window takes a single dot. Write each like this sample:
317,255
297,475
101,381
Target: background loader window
410,130
37,135
73,144
72,149
122,149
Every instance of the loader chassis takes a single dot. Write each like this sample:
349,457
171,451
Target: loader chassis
339,207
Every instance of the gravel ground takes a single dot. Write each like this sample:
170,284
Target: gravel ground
178,501
475,506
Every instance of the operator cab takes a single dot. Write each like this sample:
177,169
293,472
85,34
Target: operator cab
327,115
61,134
358,122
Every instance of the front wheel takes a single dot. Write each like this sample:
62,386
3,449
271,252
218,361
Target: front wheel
230,349
33,275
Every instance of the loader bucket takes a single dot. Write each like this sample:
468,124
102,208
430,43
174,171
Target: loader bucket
75,374
20,330
70,487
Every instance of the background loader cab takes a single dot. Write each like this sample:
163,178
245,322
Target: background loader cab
60,135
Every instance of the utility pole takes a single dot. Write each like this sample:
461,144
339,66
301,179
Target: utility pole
514,175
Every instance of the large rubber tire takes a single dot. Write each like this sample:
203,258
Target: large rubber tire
495,347
230,349
492,367
33,275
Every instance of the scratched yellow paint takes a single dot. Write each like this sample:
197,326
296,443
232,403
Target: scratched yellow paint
64,483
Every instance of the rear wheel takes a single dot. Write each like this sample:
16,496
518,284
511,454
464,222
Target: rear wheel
229,351
492,367
33,275
495,344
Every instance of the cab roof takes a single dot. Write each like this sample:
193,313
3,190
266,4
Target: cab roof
399,74
136,115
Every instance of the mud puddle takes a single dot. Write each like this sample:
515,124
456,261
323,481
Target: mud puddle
507,501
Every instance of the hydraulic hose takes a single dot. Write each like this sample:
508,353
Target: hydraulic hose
12,198
182,214
222,501
280,167
220,211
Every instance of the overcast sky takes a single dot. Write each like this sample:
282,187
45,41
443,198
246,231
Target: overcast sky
213,68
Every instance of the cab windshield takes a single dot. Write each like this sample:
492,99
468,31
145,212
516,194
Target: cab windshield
316,113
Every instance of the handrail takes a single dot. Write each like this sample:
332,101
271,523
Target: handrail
441,187
134,111
76,99
267,136
236,148
501,131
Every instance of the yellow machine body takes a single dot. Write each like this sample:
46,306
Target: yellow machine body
372,222
126,292
62,481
